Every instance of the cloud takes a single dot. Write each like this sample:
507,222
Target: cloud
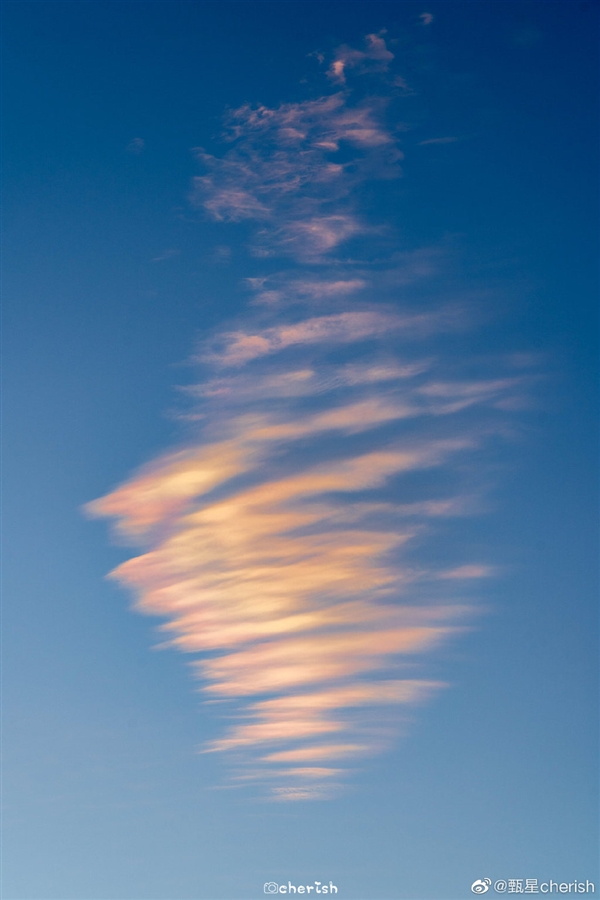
167,254
281,291
374,58
297,589
307,382
288,546
469,571
309,715
426,18
240,347
282,171
230,204
440,140
136,146
314,236
221,253
236,348
290,574
166,486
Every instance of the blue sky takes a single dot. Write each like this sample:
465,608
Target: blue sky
300,315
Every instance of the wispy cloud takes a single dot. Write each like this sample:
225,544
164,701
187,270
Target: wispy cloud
281,546
439,140
472,571
375,57
238,347
169,253
136,146
283,171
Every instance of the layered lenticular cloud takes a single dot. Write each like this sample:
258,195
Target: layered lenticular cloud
337,427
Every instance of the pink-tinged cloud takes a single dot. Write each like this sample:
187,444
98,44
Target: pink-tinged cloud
374,58
279,291
310,716
440,140
314,236
281,170
468,571
239,347
344,328
282,547
300,589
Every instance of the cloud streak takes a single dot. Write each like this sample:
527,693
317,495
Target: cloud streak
281,544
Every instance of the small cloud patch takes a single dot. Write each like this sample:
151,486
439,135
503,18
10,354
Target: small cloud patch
136,146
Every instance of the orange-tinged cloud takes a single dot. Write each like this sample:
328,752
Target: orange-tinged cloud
295,584
167,486
279,546
324,751
289,580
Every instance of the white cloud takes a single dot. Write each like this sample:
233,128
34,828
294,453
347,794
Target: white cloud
169,253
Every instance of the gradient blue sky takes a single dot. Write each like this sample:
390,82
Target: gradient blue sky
118,282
